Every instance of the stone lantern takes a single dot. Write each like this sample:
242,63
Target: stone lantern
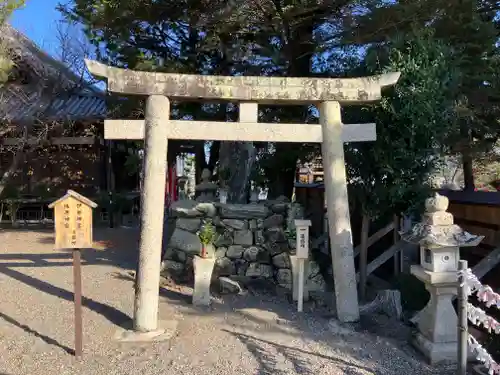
206,189
440,241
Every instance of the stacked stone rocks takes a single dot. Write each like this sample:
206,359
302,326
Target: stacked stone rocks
252,241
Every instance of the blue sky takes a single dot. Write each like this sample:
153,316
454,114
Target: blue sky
37,20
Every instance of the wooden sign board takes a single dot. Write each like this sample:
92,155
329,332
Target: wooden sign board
302,232
73,221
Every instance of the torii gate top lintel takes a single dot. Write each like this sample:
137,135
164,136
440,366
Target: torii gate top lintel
265,90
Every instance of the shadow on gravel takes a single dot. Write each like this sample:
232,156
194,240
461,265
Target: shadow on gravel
267,361
355,350
27,329
114,315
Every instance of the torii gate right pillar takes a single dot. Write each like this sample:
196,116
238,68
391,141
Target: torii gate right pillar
339,224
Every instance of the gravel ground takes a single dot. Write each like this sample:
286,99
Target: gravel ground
258,333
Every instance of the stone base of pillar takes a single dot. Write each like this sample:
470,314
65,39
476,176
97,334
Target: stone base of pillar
166,332
294,261
436,352
203,268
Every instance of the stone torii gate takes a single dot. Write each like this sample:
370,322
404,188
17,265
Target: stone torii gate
329,94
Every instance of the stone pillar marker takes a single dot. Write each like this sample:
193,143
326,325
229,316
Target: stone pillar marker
145,322
339,222
440,241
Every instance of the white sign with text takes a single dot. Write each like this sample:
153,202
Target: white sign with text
302,232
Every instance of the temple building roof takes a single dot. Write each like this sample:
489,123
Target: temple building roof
45,88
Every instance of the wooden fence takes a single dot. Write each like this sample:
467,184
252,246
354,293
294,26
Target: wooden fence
365,235
478,212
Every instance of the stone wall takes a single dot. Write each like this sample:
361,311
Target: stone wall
252,240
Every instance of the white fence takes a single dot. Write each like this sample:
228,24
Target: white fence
469,285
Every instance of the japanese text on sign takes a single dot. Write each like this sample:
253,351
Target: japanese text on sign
302,242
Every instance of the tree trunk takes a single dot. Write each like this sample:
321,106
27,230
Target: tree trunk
468,171
282,183
7,175
199,160
214,155
239,158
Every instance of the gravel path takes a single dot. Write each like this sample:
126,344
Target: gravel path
257,334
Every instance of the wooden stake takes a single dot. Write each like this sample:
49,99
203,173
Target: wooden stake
77,280
300,294
363,256
463,332
398,257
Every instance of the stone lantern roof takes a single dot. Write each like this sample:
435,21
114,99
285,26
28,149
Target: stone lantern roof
437,228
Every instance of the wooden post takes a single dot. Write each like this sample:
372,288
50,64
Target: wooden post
73,224
463,332
77,281
302,234
398,257
300,299
363,256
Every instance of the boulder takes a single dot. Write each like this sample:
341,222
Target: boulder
235,251
207,209
275,235
185,241
220,252
259,238
235,224
243,237
229,286
282,199
257,254
275,248
170,266
224,267
251,253
281,260
176,255
252,225
279,208
284,277
259,270
273,221
169,254
243,211
241,266
185,208
316,283
224,239
187,224
315,280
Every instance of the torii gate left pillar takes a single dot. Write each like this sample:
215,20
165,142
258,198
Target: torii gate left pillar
328,94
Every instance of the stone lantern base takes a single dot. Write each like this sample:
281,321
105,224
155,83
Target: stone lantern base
435,352
437,338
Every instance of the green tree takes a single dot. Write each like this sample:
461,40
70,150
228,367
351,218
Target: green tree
471,29
414,120
7,7
278,38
